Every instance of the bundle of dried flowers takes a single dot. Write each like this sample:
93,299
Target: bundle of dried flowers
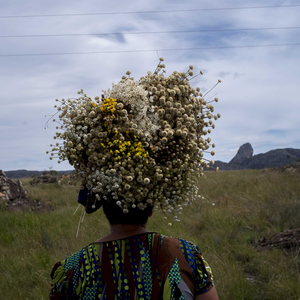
142,143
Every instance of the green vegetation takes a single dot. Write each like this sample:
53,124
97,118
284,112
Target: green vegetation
248,205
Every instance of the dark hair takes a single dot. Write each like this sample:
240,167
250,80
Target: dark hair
135,216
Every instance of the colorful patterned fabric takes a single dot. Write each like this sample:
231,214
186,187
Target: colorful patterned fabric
146,266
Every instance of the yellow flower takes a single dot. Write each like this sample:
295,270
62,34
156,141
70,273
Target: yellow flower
109,105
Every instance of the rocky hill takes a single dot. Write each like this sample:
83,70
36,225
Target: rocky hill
244,159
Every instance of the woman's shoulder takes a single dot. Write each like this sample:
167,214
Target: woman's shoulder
185,245
188,254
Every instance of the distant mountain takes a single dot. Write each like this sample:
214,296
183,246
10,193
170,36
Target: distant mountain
244,159
24,173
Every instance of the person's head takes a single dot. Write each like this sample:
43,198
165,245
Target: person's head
135,216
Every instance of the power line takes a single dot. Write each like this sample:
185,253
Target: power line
139,51
140,33
148,12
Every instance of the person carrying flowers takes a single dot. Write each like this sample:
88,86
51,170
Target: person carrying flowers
137,149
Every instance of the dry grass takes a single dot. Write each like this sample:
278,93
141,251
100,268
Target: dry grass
248,205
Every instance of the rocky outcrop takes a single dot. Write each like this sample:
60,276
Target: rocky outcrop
244,159
11,191
44,178
244,153
13,197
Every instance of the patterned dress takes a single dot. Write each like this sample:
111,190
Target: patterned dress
146,266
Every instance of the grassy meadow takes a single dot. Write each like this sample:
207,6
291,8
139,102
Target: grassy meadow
240,207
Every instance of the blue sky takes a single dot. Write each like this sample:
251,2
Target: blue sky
258,97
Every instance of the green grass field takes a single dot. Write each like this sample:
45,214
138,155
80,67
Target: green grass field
239,208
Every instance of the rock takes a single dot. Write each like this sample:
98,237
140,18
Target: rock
286,169
245,152
44,178
290,170
284,240
11,191
47,179
13,197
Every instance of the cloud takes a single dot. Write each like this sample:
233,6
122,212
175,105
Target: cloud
257,96
277,132
223,74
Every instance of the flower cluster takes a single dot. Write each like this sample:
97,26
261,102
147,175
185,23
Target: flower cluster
143,143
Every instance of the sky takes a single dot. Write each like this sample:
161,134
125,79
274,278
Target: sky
253,49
